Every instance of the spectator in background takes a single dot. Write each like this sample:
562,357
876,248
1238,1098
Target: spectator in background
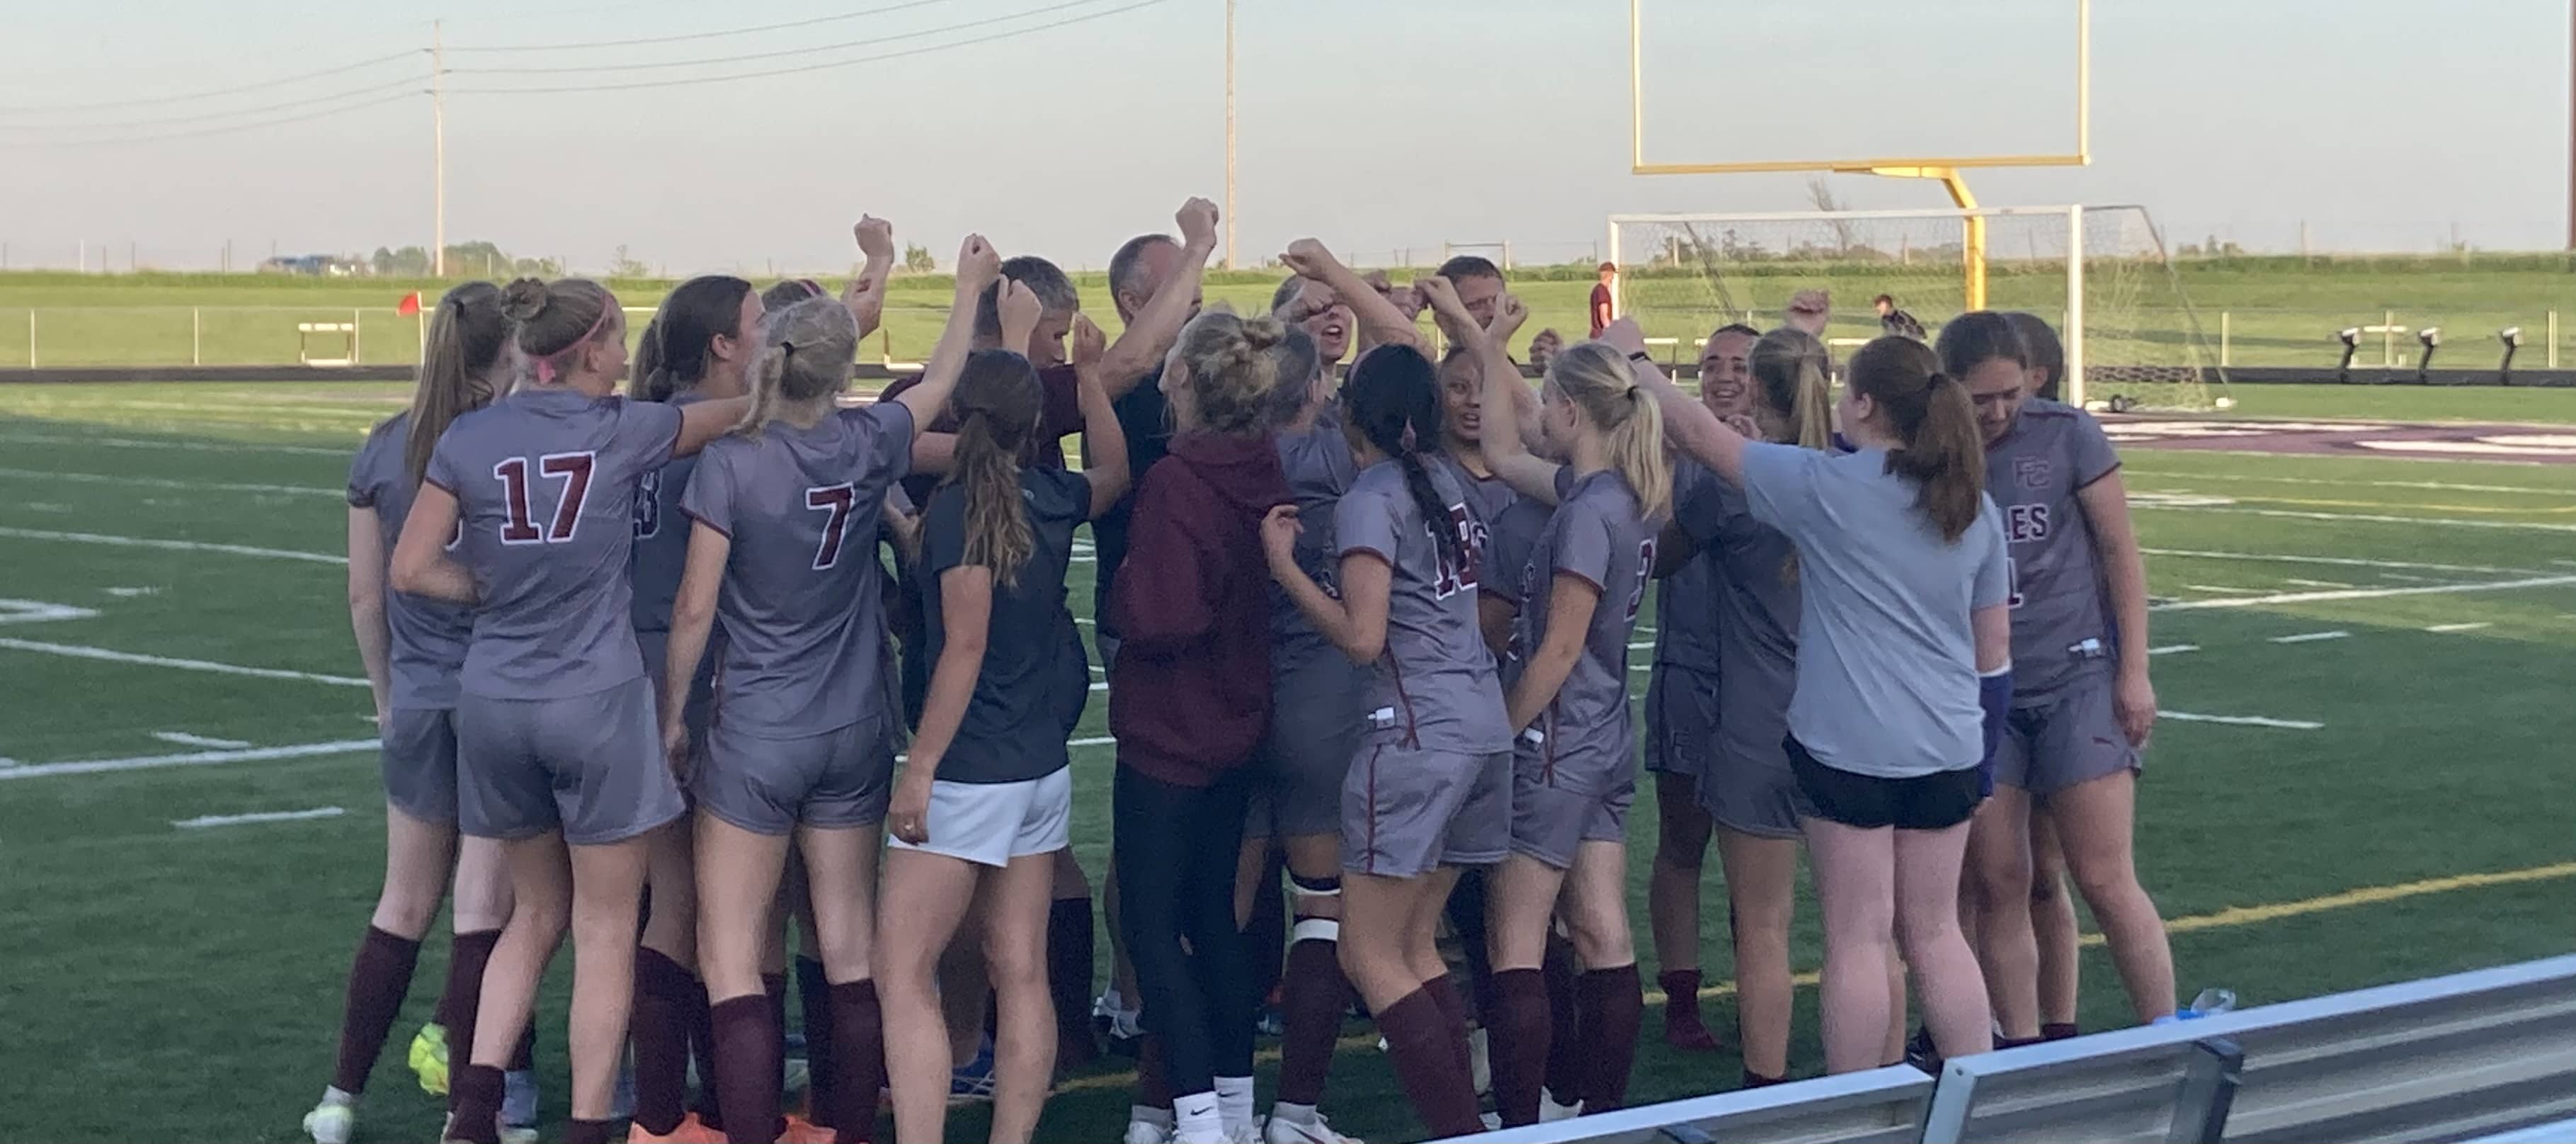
1604,298
1894,321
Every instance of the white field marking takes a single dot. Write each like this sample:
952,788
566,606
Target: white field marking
2564,563
38,611
129,593
2437,486
163,483
174,545
1080,622
192,759
2224,589
2366,518
2408,579
78,651
1102,685
199,446
185,739
2313,637
2458,627
2341,561
2241,720
1641,647
54,508
2174,649
2314,583
205,820
2363,594
5,764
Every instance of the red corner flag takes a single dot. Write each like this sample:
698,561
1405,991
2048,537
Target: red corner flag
409,305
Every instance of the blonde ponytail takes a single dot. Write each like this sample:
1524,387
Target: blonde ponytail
806,363
1791,367
1597,380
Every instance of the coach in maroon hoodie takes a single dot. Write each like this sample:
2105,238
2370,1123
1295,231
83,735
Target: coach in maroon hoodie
1189,698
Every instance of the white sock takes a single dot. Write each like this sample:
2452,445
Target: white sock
1148,1114
1195,1119
1293,1113
1234,1102
331,1094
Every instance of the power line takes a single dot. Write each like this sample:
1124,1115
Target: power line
824,66
783,52
688,36
266,83
199,134
164,121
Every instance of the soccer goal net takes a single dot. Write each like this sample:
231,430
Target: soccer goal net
2099,274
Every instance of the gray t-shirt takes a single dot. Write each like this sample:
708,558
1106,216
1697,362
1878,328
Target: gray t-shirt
545,481
429,636
661,538
1686,602
1011,732
1887,657
2060,616
804,634
1599,534
1436,674
1755,609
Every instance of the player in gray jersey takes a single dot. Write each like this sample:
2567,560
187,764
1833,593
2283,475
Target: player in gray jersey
2082,704
1681,715
782,552
1427,792
555,718
412,649
1567,689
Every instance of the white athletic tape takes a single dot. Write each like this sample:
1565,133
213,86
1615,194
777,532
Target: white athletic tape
1302,890
205,820
164,483
2362,594
2241,720
1315,929
174,545
78,651
192,759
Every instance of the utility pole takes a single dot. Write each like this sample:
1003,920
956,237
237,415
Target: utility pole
1230,245
438,149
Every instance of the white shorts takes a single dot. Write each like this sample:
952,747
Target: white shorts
989,824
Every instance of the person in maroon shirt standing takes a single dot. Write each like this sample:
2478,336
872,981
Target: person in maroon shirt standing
1189,700
1603,301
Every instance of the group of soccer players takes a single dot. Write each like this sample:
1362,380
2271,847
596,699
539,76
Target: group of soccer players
643,677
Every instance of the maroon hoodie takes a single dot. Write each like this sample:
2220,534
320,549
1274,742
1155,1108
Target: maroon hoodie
1189,694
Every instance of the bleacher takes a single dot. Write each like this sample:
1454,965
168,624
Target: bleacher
2488,1055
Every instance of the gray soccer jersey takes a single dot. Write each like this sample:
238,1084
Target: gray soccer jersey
1686,602
1887,659
803,632
1011,732
545,483
1598,534
1755,613
1436,675
1514,524
1320,469
661,538
429,637
2060,623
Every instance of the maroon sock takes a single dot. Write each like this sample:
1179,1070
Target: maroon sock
2002,1043
1265,936
467,954
1754,1079
590,1132
702,1048
1453,1008
773,986
1565,1050
474,1104
1434,1079
2055,1031
1683,1027
858,1058
747,1069
1517,1024
1153,1087
1313,995
659,1026
1613,1004
379,976
1070,955
814,1009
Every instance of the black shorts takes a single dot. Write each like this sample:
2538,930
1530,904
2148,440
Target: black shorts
1936,801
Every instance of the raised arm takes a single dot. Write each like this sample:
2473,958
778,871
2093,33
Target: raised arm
2124,572
1104,441
966,621
866,294
367,604
421,565
693,615
1140,347
1381,322
977,267
1505,452
1689,425
704,421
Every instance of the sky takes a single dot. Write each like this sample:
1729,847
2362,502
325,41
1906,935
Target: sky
1378,125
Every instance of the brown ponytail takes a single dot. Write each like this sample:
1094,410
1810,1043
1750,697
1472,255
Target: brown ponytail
997,403
1790,365
550,319
1932,417
466,336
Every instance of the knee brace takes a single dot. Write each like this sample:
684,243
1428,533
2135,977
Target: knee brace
1305,890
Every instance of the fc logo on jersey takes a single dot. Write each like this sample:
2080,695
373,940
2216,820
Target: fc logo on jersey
2031,472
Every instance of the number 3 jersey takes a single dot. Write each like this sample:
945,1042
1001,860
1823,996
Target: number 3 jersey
545,484
2060,621
803,632
1597,534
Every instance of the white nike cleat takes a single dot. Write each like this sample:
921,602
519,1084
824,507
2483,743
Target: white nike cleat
1282,1130
330,1122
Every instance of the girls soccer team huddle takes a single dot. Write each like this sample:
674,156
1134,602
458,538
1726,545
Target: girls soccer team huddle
643,679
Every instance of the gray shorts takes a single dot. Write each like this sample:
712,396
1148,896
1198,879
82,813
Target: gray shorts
836,780
2065,739
1752,791
1681,721
1299,771
989,824
590,765
420,763
1407,811
656,647
1552,815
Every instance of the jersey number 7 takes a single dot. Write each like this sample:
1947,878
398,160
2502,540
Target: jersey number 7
836,501
519,524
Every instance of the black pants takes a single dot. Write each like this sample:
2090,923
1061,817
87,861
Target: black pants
1175,850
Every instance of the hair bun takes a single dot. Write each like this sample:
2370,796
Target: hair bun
525,298
1263,331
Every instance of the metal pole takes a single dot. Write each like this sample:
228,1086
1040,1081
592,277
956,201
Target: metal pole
31,338
2073,383
2223,332
2553,336
354,319
2571,135
2388,339
438,149
1230,247
196,335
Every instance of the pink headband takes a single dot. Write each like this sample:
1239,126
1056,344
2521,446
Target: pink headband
546,364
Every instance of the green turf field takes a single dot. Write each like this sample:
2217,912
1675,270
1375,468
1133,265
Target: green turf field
170,556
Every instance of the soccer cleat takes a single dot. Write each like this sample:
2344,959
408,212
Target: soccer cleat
519,1106
690,1130
330,1122
803,1131
1142,1132
1549,1111
1282,1130
519,1134
428,1058
1117,1023
1480,1062
972,1082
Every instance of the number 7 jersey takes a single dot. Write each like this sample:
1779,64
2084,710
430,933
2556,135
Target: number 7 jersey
544,481
803,629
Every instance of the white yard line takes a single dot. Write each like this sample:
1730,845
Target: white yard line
2174,649
38,611
2407,578
79,651
185,739
173,545
164,483
2337,561
202,821
191,759
2367,518
2438,486
2223,589
196,446
2362,594
2241,720
2458,627
2312,637
2314,583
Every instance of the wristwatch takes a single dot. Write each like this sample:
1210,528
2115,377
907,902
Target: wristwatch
1641,355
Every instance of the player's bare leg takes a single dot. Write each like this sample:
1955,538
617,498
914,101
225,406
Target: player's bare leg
2095,820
